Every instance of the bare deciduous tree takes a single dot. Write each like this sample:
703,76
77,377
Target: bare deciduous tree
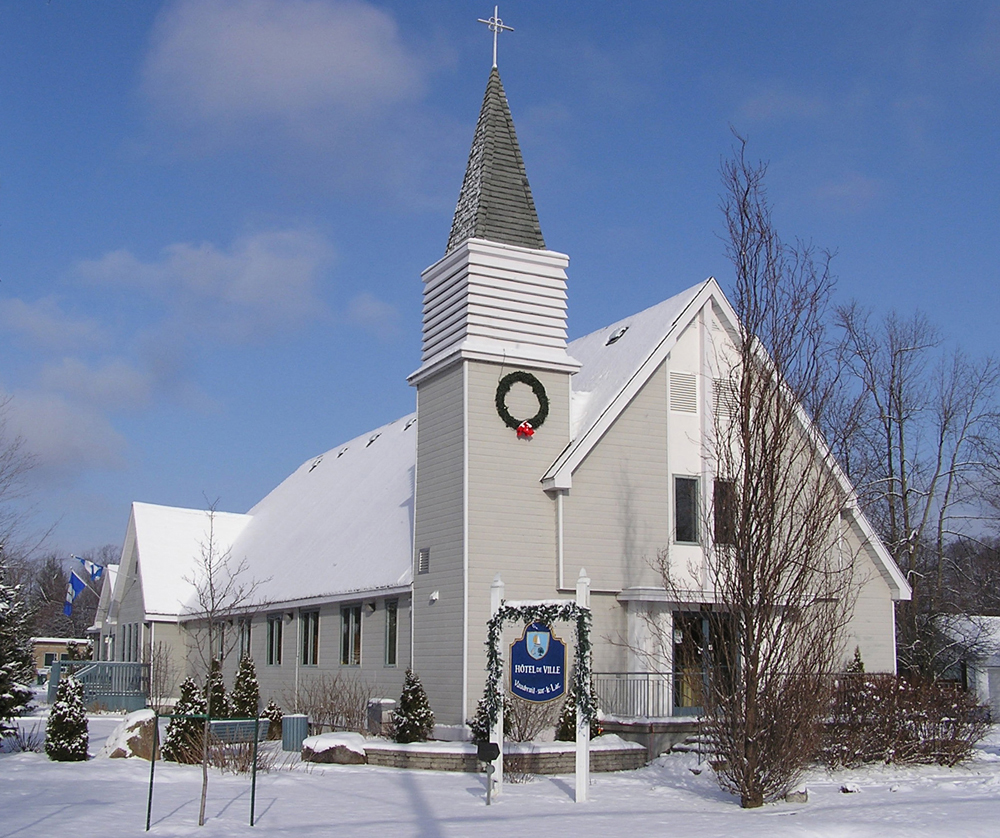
222,591
924,454
784,581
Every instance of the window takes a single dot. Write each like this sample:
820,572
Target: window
424,560
274,639
725,511
50,658
310,637
350,647
245,638
686,509
391,630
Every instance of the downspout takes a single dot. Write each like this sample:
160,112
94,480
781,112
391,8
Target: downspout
298,629
559,536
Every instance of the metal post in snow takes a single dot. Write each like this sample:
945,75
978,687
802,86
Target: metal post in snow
582,724
152,766
496,735
253,774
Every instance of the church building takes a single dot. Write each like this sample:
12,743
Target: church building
528,456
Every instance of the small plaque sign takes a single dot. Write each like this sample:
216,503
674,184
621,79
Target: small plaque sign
538,665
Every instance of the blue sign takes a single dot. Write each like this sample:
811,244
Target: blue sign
538,665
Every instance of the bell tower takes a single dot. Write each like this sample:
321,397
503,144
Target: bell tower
493,393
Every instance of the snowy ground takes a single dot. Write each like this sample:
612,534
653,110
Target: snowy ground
106,798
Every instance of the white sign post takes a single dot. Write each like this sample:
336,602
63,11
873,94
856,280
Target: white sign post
582,725
496,734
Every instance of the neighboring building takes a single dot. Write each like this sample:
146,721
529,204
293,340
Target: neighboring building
379,554
976,651
47,650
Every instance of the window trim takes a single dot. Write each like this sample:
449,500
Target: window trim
724,512
275,631
693,481
392,632
350,634
309,623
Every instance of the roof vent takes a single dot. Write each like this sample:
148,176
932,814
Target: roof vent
341,452
617,335
410,423
373,438
316,462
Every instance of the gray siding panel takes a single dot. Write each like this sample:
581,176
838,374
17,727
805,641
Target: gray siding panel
439,526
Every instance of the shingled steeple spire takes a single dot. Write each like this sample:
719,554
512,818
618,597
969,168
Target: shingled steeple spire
495,203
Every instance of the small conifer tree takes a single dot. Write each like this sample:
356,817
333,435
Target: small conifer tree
566,726
412,720
66,736
856,666
217,703
244,700
272,712
183,739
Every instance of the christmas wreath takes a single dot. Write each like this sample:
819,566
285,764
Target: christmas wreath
525,427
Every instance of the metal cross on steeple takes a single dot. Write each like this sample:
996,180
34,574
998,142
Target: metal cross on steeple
496,27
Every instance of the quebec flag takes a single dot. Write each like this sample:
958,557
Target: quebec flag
94,570
73,590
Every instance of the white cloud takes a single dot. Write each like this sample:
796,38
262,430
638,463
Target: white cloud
262,283
224,63
851,193
774,103
374,316
45,324
115,385
66,439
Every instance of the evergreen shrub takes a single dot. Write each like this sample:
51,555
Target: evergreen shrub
412,720
66,735
183,742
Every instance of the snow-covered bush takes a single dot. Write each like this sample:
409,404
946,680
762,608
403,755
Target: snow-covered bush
885,718
183,742
244,700
66,736
272,712
412,720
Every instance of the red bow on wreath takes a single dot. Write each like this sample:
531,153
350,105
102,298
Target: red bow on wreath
525,431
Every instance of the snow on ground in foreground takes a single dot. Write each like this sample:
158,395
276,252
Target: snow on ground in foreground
106,798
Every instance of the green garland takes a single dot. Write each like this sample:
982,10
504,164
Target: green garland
488,711
503,388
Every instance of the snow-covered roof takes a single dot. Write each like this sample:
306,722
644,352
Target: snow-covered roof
340,523
104,600
169,543
616,362
607,368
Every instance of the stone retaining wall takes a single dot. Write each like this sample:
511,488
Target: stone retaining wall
528,759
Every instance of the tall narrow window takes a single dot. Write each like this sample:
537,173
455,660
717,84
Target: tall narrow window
274,639
245,638
724,503
350,647
310,638
686,509
391,630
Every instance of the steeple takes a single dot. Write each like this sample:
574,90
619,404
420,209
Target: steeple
495,203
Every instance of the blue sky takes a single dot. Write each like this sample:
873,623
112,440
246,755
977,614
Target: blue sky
214,214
